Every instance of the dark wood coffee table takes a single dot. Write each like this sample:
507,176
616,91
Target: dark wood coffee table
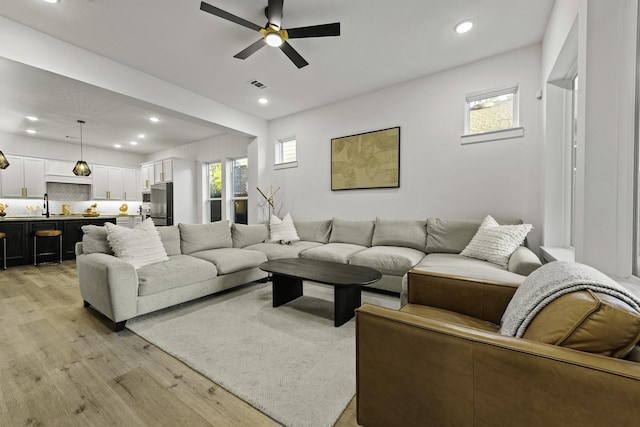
346,279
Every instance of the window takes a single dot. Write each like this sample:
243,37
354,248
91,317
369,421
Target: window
240,198
491,115
286,156
215,191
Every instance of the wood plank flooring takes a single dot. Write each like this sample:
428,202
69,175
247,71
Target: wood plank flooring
61,365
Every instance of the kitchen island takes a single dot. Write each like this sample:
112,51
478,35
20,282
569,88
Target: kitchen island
19,231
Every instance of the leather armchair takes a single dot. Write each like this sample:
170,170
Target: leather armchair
440,361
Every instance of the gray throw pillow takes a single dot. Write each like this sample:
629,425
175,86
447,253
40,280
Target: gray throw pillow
451,236
170,237
314,231
94,240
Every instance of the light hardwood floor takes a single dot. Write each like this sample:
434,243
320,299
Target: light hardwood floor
61,365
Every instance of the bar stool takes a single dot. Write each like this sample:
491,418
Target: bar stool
3,236
46,233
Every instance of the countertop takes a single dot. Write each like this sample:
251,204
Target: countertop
58,217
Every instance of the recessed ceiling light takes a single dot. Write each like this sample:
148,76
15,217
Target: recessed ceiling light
464,26
141,136
32,118
263,100
52,1
133,143
31,131
117,145
154,119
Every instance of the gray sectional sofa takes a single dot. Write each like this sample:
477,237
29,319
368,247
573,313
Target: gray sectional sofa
208,258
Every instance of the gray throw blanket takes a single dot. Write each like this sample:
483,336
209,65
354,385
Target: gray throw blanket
551,281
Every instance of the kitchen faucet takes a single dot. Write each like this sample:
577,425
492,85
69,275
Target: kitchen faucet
46,205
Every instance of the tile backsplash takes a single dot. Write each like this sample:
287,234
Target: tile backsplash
78,196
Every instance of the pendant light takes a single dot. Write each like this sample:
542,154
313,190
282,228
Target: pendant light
81,168
4,163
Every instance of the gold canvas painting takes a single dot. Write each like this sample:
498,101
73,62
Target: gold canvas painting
366,160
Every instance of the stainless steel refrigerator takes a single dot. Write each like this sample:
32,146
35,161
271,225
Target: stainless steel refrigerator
162,203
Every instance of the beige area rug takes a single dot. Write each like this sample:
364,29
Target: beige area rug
289,362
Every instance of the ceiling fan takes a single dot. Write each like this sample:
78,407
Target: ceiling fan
273,34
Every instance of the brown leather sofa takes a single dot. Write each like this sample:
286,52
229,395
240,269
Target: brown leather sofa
440,361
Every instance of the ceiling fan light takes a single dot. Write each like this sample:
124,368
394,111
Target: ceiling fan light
273,39
4,163
81,168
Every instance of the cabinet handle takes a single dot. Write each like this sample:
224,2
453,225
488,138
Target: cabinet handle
26,194
146,183
108,195
161,176
124,195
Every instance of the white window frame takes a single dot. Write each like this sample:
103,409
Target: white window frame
279,154
222,197
233,198
515,131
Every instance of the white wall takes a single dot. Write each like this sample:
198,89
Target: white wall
35,147
439,176
606,149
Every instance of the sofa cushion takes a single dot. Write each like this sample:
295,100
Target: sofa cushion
391,260
278,251
453,235
200,237
405,233
282,230
178,271
336,252
458,265
230,260
314,231
170,237
245,235
494,242
94,240
588,321
352,232
138,246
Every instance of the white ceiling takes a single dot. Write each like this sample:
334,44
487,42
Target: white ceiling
381,43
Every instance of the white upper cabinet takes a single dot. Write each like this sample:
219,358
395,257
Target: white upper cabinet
147,176
23,178
107,182
130,188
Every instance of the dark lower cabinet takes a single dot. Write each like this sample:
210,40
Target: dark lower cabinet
17,249
20,239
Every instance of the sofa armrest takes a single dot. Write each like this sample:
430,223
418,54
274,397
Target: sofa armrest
482,299
447,374
523,261
109,284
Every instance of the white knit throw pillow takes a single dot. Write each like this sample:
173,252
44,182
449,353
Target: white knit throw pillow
137,246
282,230
495,243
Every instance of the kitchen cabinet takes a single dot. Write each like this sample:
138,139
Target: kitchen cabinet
130,189
147,173
17,244
24,178
163,171
107,182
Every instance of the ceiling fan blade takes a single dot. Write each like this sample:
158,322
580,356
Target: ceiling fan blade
250,50
324,30
229,17
293,55
274,12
